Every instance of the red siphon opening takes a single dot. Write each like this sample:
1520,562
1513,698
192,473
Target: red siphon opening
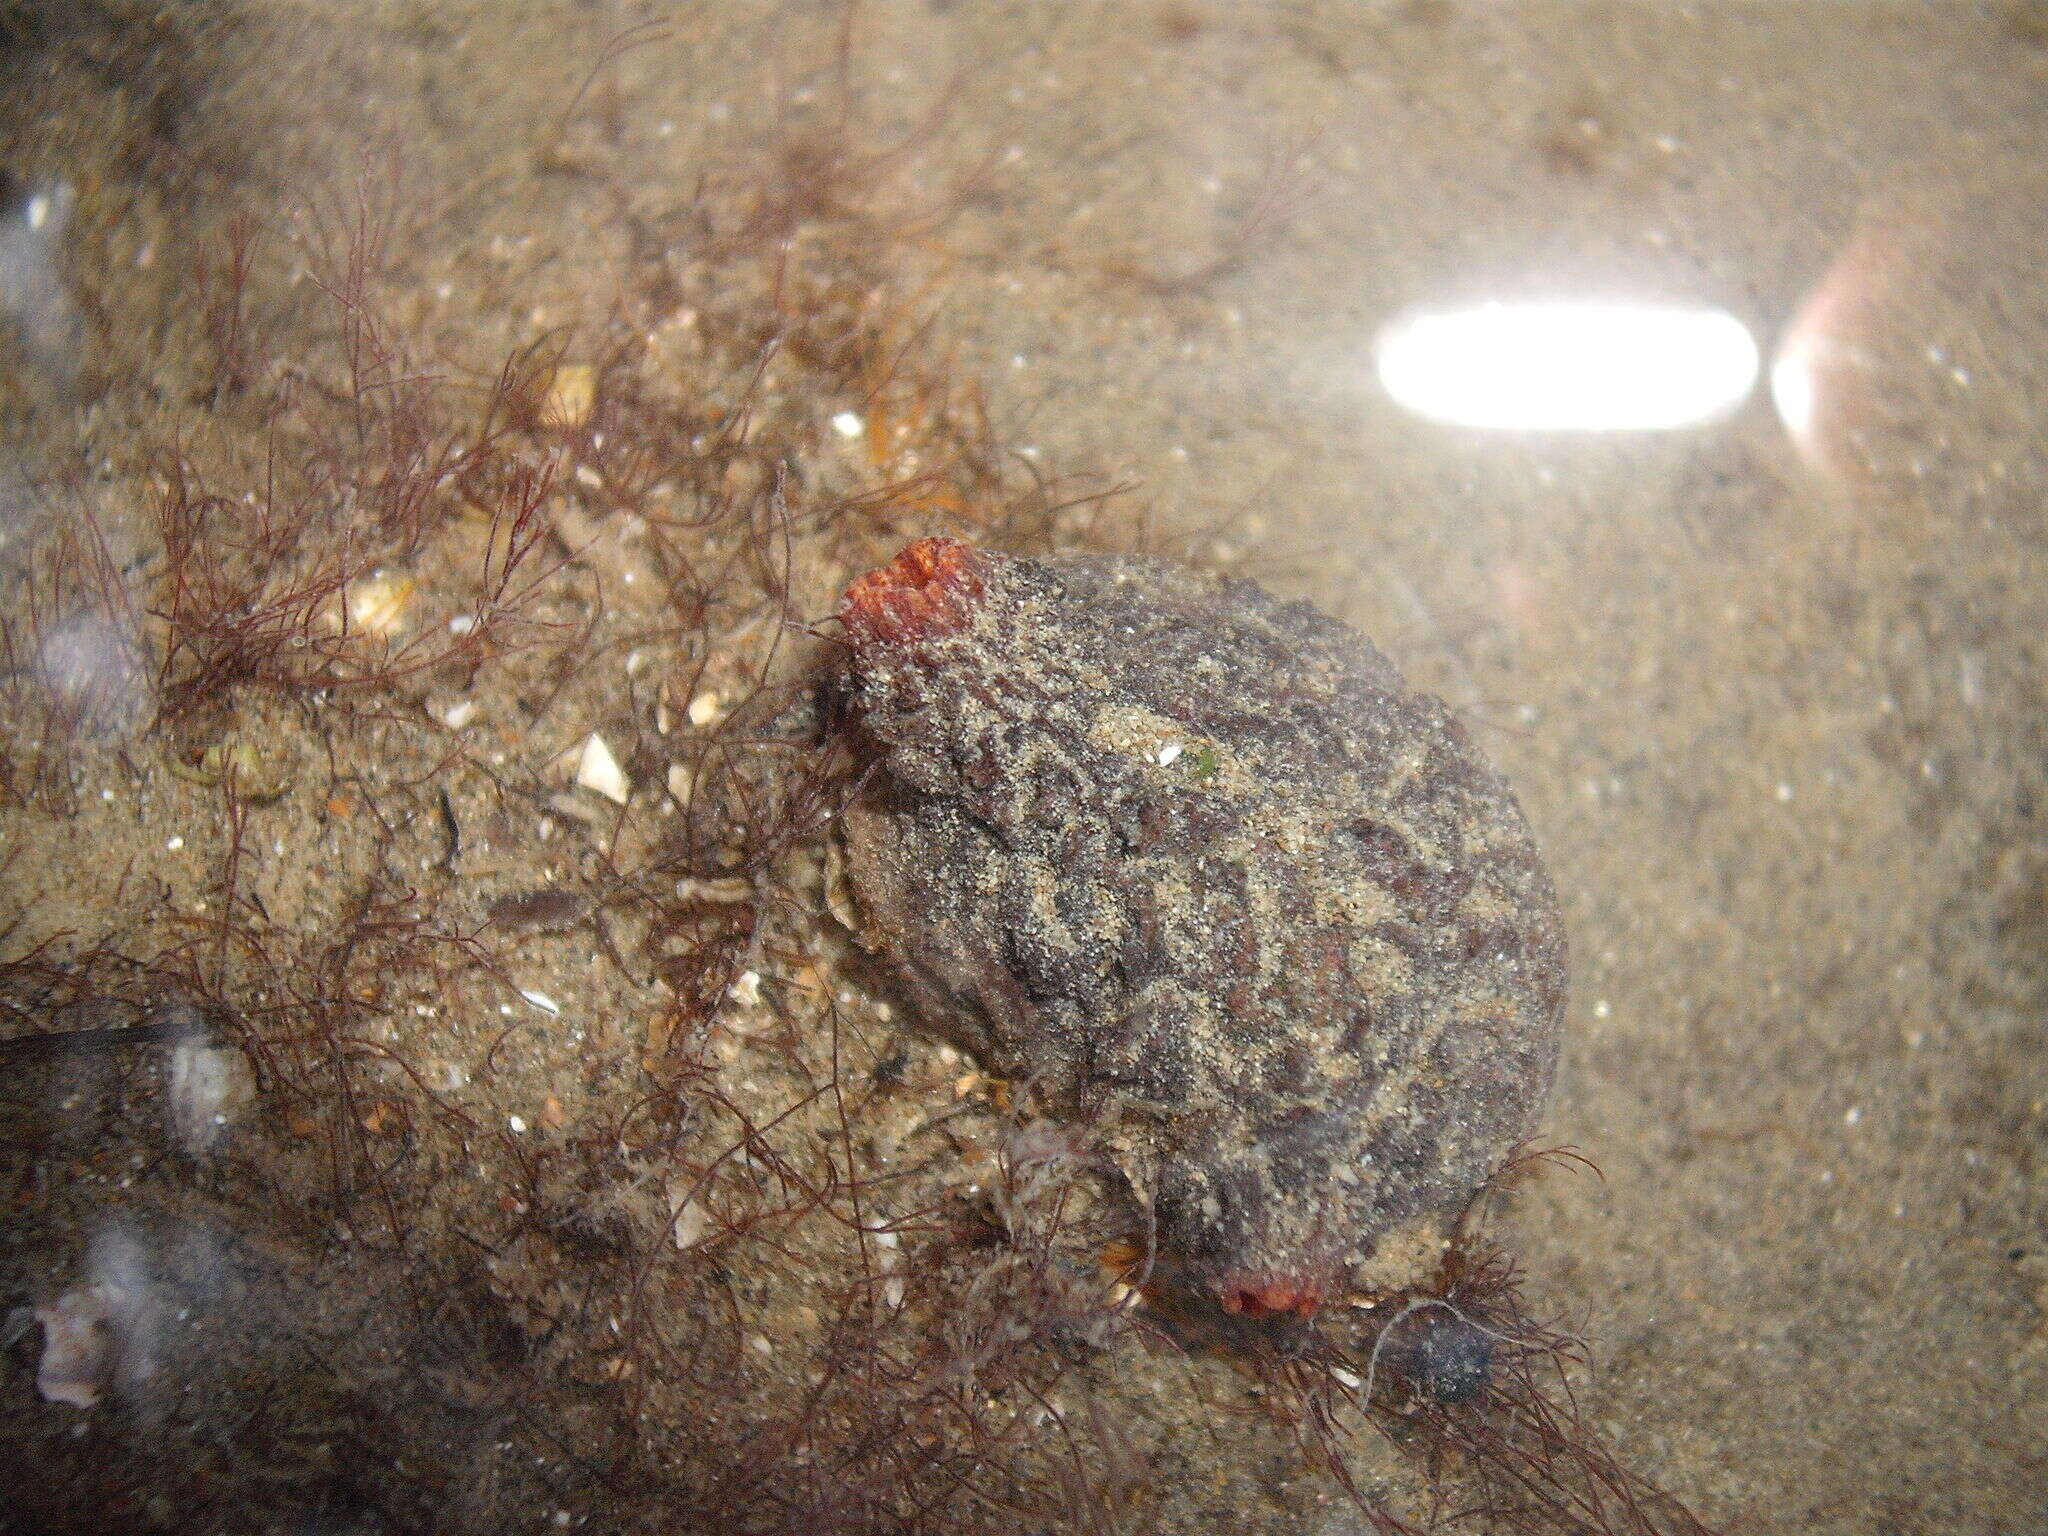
925,593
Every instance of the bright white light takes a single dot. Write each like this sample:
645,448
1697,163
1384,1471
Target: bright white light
1794,389
1586,367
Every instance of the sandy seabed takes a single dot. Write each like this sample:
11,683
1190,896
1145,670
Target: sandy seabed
467,1126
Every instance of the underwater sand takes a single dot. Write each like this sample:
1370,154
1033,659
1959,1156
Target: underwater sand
1772,700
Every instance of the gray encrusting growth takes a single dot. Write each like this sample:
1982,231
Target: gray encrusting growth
1197,864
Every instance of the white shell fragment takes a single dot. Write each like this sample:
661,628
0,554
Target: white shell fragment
104,1332
598,770
689,1221
377,604
78,1345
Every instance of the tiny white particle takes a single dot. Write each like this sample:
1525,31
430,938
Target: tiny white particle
1784,793
175,844
1601,1010
1168,753
761,1345
518,1125
848,424
462,624
541,1001
746,990
704,708
1855,1114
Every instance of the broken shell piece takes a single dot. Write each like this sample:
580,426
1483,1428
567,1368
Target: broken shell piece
839,889
598,770
720,890
256,772
252,772
689,1222
377,604
572,390
78,1347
